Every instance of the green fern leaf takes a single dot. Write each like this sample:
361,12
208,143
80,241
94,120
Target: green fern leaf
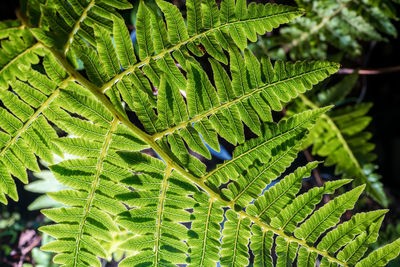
25,124
297,211
236,235
175,38
123,44
143,32
156,213
285,251
177,31
306,258
95,183
278,196
261,148
224,117
340,137
345,232
106,51
293,210
328,215
71,22
18,46
261,244
204,236
354,250
7,185
382,255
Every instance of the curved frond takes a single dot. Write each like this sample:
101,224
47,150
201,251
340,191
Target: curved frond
340,136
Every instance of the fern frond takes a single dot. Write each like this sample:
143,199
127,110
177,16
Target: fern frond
279,195
210,116
297,211
261,244
207,27
74,21
277,137
208,108
354,250
18,47
172,210
339,23
94,180
25,120
381,256
346,232
248,97
205,234
160,201
301,231
285,251
236,235
340,137
327,216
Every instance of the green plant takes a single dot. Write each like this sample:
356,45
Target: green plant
342,24
340,135
176,207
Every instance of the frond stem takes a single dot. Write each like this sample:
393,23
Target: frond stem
160,209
